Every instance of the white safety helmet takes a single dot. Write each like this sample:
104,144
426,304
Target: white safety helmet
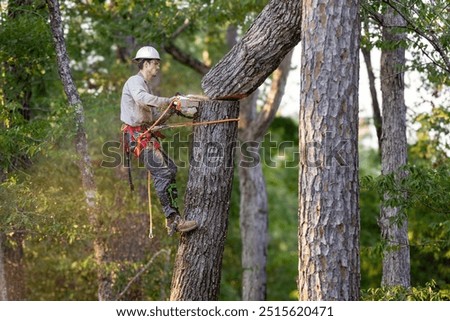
147,52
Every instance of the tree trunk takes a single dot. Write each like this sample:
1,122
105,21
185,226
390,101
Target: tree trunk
3,285
329,266
253,209
253,217
377,121
84,162
271,36
197,268
396,257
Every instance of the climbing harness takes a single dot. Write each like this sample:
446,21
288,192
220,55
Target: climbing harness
137,138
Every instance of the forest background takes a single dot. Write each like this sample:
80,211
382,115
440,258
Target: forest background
45,231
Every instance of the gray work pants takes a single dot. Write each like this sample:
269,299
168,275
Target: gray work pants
163,171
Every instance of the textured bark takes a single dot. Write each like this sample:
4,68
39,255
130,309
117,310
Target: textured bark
84,162
271,36
377,121
396,257
14,265
254,214
197,268
3,286
329,266
253,194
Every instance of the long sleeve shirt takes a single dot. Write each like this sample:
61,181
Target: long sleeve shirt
138,105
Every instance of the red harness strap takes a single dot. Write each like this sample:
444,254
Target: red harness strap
141,138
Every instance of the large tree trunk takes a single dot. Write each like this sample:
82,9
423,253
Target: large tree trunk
396,257
269,39
283,15
329,266
198,261
105,291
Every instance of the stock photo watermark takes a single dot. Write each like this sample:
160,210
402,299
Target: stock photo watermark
270,152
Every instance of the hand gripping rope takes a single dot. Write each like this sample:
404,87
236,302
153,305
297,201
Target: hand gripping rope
175,104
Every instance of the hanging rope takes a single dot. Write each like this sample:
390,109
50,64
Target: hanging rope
149,193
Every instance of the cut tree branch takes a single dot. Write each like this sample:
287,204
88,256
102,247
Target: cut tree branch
257,55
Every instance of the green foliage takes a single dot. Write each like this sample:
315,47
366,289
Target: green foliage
432,143
419,186
429,292
26,78
426,26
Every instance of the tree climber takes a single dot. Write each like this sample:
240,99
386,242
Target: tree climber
138,111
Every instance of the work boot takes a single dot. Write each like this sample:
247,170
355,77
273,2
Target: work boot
175,223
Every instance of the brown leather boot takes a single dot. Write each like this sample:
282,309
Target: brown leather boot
175,223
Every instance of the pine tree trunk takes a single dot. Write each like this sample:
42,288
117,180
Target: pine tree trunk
84,162
329,266
197,268
269,39
396,257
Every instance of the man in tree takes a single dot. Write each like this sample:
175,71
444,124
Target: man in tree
138,112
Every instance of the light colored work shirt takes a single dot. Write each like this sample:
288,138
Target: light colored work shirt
138,105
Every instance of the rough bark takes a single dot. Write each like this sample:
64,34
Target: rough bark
271,36
329,267
396,257
84,162
253,194
197,268
377,121
14,265
3,286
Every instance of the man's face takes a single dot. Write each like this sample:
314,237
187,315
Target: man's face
151,69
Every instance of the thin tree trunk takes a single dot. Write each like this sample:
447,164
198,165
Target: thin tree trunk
197,268
3,285
105,291
269,39
396,256
329,266
14,266
253,209
377,121
253,217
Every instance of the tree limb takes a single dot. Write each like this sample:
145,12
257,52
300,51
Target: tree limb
186,59
257,55
377,120
149,263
